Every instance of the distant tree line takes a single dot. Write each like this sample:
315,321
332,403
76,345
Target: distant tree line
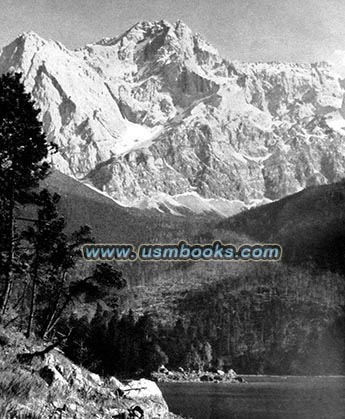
112,344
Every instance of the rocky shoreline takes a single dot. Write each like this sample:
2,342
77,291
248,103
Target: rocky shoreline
166,376
35,382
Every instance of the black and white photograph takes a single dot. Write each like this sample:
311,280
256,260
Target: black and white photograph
172,209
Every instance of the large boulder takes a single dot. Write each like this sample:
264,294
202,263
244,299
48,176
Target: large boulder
147,394
142,389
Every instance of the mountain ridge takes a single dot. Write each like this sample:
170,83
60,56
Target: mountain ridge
157,113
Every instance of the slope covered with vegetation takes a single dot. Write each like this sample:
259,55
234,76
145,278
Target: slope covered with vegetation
309,225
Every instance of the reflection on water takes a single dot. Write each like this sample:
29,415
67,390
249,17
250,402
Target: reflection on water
263,397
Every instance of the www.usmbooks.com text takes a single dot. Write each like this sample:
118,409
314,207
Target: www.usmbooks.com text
182,251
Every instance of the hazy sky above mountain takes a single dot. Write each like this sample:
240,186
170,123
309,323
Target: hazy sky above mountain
289,30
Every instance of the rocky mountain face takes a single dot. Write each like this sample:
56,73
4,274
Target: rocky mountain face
156,118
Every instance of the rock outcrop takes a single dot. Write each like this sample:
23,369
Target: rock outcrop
52,386
197,376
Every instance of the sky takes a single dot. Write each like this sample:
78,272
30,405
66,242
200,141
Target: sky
249,30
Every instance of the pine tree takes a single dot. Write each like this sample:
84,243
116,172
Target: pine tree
23,148
59,290
54,255
44,236
207,355
112,360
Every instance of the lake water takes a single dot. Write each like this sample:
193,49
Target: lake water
262,397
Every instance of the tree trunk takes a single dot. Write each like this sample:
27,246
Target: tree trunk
10,256
56,317
57,313
33,295
52,315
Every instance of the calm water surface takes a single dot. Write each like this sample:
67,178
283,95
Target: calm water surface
262,397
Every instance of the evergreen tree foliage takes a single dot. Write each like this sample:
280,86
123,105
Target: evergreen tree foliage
37,257
23,148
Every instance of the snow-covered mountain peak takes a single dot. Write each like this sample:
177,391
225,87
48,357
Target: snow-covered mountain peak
138,33
159,43
30,35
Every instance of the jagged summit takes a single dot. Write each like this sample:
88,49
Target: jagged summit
156,117
30,38
147,27
29,35
26,40
159,40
